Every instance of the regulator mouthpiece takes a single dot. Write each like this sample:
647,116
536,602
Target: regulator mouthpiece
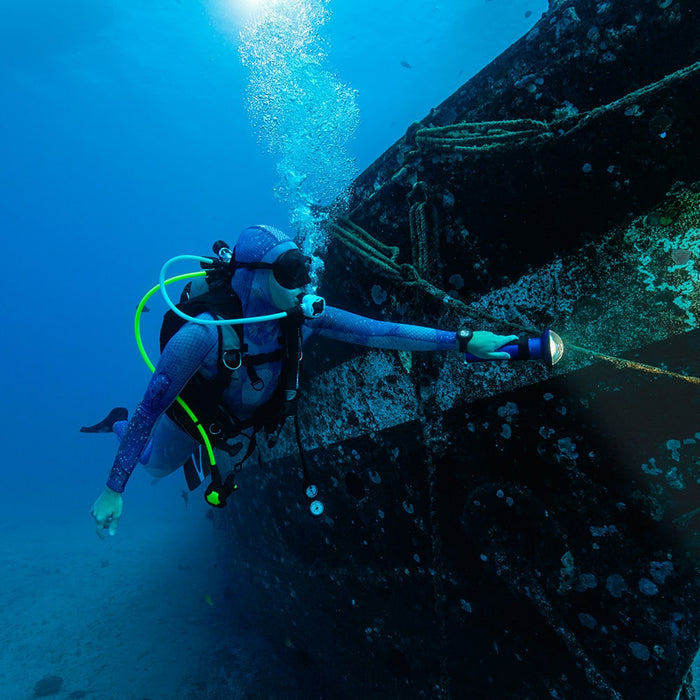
312,306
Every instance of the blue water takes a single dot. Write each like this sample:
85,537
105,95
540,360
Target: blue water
125,138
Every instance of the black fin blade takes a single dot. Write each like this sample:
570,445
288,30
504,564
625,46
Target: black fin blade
105,425
196,468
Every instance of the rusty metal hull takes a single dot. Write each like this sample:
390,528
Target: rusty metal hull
495,530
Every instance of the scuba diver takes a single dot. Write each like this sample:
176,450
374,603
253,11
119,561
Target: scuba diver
242,378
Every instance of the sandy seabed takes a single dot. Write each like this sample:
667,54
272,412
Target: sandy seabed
149,614
146,614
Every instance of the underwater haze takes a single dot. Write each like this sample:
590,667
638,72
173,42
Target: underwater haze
131,132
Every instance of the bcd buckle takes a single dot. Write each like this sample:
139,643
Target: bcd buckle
235,362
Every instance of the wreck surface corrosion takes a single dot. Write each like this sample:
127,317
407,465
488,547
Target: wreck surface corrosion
507,530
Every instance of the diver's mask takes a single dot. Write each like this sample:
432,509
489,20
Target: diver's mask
290,275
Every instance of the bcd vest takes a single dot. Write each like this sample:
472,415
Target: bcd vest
204,396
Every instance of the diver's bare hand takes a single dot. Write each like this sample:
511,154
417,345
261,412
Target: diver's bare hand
485,345
107,510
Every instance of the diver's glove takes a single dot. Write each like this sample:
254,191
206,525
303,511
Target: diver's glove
107,510
483,344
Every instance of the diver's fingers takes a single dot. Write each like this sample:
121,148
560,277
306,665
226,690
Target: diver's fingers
502,341
100,523
113,525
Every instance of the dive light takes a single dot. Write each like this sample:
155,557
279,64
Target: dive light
548,348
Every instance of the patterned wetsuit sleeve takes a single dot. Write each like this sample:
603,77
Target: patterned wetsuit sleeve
181,358
351,328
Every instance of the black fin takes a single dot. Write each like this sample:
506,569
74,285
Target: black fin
196,468
105,425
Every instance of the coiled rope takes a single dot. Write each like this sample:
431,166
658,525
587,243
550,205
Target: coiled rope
480,137
382,258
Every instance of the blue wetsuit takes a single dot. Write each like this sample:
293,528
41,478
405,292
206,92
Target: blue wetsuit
194,348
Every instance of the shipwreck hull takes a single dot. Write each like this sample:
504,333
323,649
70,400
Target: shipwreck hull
526,545
506,530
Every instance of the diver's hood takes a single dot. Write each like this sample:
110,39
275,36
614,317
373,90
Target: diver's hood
270,271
